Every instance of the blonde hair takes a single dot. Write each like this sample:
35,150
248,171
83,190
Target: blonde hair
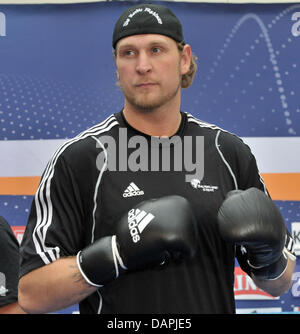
187,79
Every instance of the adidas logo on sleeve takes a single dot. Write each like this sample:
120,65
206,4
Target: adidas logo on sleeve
138,220
132,190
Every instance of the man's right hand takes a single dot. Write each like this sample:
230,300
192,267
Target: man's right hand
147,235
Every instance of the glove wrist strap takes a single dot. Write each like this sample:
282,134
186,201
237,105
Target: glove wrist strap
272,271
100,262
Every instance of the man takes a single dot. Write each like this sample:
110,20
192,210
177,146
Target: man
9,270
124,221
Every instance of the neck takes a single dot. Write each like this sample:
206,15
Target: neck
162,121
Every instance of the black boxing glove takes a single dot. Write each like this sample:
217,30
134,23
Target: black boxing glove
147,235
251,219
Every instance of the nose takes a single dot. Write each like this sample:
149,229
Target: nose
143,63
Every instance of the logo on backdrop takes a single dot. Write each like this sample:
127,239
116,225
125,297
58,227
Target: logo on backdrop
245,288
296,236
295,290
2,24
19,232
296,26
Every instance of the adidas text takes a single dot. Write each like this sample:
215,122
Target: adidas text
133,193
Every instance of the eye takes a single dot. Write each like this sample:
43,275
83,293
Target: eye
126,53
156,50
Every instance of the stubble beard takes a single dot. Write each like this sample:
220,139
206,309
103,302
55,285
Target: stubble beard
147,104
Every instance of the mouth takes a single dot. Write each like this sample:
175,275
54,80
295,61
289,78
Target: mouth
146,84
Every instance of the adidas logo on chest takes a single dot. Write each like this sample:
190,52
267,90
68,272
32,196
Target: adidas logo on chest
133,190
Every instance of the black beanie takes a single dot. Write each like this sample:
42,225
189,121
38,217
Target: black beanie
147,19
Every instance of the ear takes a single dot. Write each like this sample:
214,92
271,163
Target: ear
186,57
118,79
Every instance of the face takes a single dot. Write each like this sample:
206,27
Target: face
149,69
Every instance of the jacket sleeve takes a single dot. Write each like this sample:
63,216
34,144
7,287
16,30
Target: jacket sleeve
54,226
